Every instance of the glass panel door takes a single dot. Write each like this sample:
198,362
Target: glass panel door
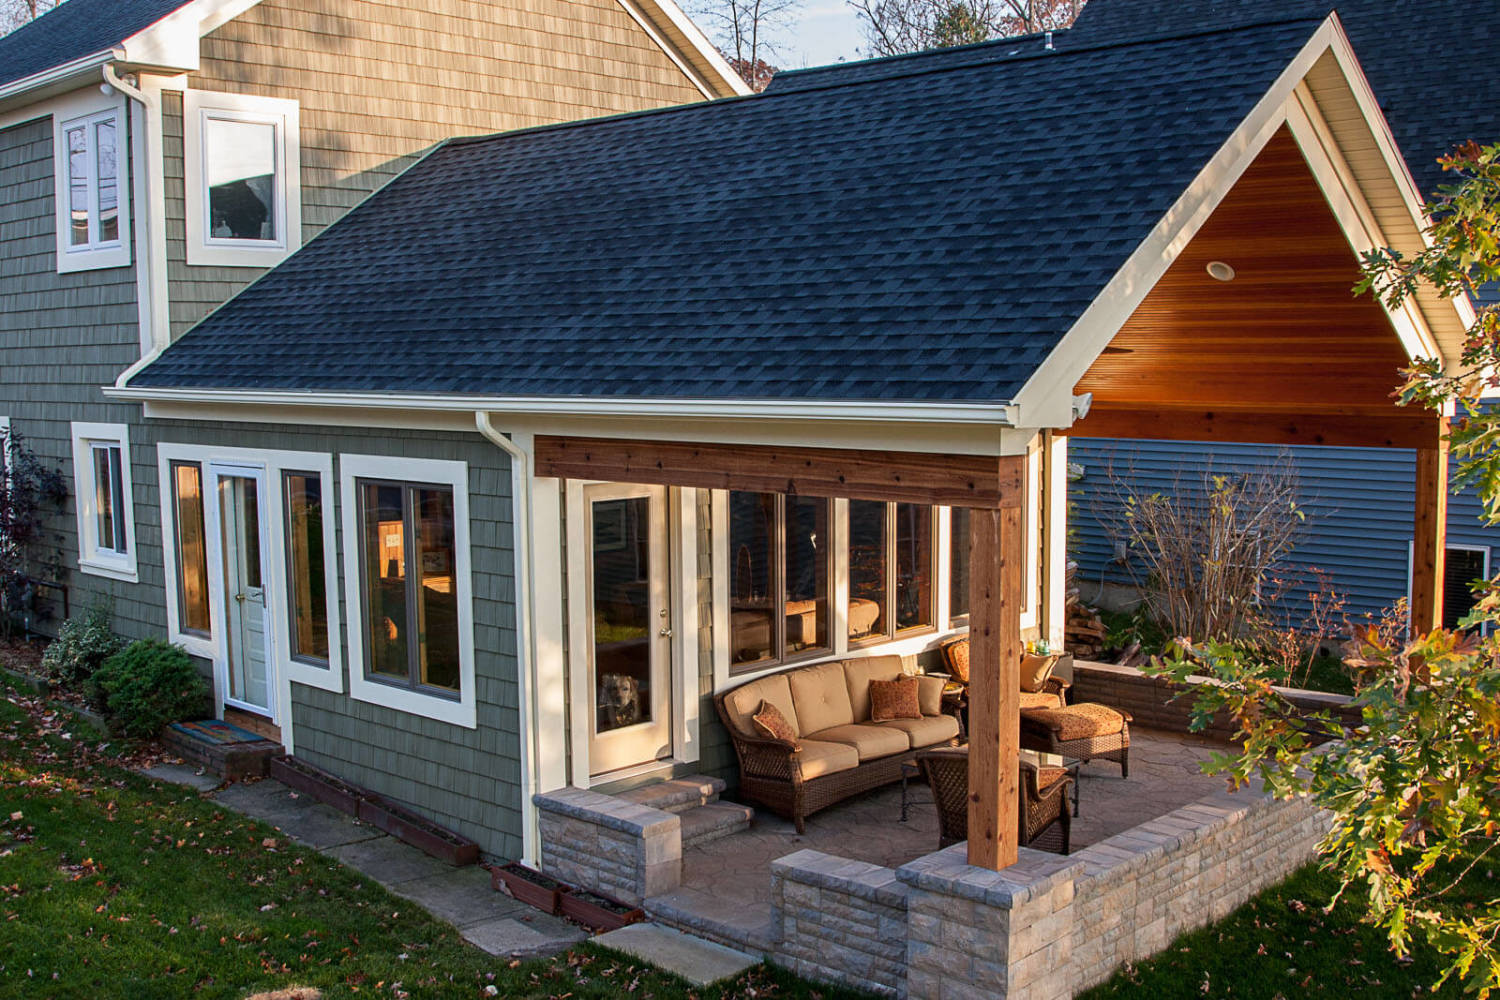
630,627
242,547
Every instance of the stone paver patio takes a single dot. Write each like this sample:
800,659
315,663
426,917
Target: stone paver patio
726,883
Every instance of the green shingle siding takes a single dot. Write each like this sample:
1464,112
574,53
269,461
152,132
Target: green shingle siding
62,336
467,779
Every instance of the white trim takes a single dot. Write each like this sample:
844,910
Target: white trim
1411,547
460,711
198,108
88,108
149,192
93,558
1055,541
682,572
579,709
696,41
1030,600
549,634
994,414
82,66
198,645
942,586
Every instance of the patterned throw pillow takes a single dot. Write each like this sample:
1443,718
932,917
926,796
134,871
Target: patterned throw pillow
769,720
895,699
1035,670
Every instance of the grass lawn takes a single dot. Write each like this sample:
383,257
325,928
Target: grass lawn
1282,945
115,886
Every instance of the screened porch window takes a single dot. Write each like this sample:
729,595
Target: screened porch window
779,551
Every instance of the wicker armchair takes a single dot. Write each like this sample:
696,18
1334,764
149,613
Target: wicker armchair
1044,798
1054,693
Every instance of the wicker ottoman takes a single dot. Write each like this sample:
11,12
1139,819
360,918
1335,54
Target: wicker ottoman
1084,732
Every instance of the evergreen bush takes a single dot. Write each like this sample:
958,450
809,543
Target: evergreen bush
147,685
81,647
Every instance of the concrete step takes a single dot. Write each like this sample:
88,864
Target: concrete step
698,961
676,794
712,821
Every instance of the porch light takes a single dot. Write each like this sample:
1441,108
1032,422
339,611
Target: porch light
1220,271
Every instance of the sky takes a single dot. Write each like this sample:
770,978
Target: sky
826,32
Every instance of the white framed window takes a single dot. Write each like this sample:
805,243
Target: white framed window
242,177
91,185
301,580
408,585
106,514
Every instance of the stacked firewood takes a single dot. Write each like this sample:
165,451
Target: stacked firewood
1083,631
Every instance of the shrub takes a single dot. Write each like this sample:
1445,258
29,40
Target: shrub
81,647
31,496
147,685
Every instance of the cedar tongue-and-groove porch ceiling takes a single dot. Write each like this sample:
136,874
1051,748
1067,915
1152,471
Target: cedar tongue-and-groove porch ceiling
1283,353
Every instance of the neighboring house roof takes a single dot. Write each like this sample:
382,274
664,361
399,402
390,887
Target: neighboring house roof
929,235
1431,63
76,29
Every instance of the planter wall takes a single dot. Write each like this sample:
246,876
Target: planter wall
318,783
526,885
418,831
596,912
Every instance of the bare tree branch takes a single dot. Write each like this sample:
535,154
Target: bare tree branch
893,27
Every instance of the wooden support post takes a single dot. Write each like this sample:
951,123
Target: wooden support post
1430,534
997,573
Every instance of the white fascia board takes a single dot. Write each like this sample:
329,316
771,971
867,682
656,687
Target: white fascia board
75,73
1088,337
659,11
173,41
997,414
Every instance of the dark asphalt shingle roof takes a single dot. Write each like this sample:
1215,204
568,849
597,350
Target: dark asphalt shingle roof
1434,64
926,236
76,29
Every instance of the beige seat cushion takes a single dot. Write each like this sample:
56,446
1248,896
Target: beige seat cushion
926,731
1035,670
821,697
869,739
859,673
820,758
744,701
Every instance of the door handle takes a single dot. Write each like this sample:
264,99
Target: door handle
240,598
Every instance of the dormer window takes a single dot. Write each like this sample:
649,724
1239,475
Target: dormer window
93,218
242,165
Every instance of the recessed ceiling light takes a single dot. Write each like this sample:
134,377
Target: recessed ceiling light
1220,271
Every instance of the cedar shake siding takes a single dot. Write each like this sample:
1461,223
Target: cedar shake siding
379,84
62,336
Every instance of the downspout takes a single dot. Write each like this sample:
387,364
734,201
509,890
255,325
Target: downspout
149,217
520,491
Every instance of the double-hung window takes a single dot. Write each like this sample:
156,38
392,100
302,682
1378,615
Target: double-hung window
406,557
106,519
243,193
92,194
780,549
891,560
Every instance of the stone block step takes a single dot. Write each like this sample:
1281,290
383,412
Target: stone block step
712,821
698,961
676,794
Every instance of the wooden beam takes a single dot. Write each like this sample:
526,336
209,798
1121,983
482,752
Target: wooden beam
975,481
997,552
1396,430
1430,534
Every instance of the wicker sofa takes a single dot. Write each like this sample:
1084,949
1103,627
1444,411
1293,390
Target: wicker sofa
838,752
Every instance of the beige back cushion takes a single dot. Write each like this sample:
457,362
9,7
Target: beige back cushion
821,697
859,673
744,701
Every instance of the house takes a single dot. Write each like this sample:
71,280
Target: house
618,414
156,157
1359,530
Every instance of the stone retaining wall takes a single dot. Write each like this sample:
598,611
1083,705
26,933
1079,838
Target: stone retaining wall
1052,926
607,845
1150,699
840,921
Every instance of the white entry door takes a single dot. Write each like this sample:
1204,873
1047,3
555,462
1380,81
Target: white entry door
630,626
245,662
